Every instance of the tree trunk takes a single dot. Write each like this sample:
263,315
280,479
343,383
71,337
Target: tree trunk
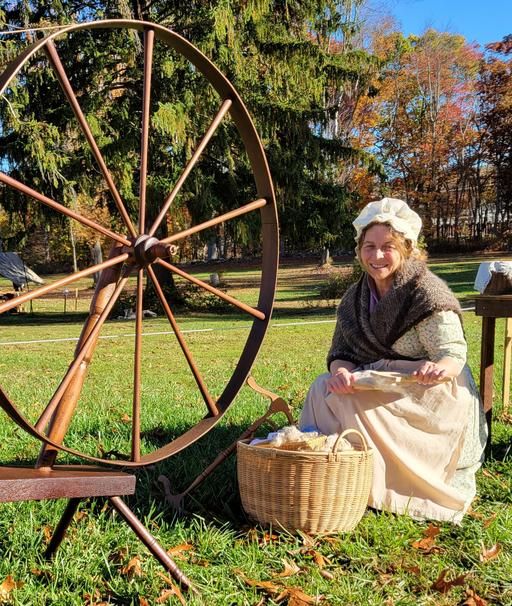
73,248
212,249
96,257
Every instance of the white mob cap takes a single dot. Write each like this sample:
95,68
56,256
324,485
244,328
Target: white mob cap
393,211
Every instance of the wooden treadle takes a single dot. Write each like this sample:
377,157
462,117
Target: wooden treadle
63,481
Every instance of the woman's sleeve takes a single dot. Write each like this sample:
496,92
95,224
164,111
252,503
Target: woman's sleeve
442,336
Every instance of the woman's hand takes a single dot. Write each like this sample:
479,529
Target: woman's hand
341,381
430,373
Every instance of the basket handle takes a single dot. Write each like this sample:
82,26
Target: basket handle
343,434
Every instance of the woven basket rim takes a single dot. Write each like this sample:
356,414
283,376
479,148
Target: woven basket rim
270,452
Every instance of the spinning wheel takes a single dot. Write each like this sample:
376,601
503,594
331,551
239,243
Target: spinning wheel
136,250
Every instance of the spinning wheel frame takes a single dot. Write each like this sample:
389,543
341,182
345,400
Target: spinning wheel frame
139,250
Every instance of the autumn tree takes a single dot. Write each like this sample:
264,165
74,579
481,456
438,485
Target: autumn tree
495,104
427,119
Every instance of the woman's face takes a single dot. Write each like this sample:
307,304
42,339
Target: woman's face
380,256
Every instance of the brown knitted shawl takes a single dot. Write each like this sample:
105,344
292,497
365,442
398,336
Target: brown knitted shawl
361,337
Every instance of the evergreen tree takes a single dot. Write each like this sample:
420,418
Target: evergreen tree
291,63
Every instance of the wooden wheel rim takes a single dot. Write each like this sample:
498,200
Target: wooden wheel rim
266,206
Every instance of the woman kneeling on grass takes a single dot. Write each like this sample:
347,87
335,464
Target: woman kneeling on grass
428,439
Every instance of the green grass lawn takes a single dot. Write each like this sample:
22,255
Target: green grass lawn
387,560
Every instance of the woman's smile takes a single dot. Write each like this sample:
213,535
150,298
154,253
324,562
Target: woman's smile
380,257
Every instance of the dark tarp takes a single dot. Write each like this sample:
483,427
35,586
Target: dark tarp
13,268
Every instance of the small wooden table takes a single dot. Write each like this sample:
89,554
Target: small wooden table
491,307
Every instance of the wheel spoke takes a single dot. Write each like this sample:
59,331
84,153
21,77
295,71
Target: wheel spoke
137,366
222,295
60,72
192,162
149,36
80,355
186,352
28,191
38,292
243,210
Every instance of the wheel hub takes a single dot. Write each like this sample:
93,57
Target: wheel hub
147,248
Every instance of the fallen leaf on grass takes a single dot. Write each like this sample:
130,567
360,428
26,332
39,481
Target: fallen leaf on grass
126,418
296,597
199,562
431,531
506,417
491,553
80,515
133,568
307,540
119,556
47,533
443,586
166,594
473,599
290,568
427,545
268,586
95,599
179,549
320,560
174,590
479,516
143,601
7,586
476,515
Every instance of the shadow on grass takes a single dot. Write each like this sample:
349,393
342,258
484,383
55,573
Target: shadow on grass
502,450
42,319
306,306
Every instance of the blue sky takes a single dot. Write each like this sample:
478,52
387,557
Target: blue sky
479,21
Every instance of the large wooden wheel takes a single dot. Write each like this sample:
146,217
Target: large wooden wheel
137,251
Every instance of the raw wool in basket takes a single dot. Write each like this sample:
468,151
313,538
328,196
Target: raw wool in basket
328,444
290,437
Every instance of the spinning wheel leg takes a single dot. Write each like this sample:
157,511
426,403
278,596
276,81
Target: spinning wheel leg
150,542
62,526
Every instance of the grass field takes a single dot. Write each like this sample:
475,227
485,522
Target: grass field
387,560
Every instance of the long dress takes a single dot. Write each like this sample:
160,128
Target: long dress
428,441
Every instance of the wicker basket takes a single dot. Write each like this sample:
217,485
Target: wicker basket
316,492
